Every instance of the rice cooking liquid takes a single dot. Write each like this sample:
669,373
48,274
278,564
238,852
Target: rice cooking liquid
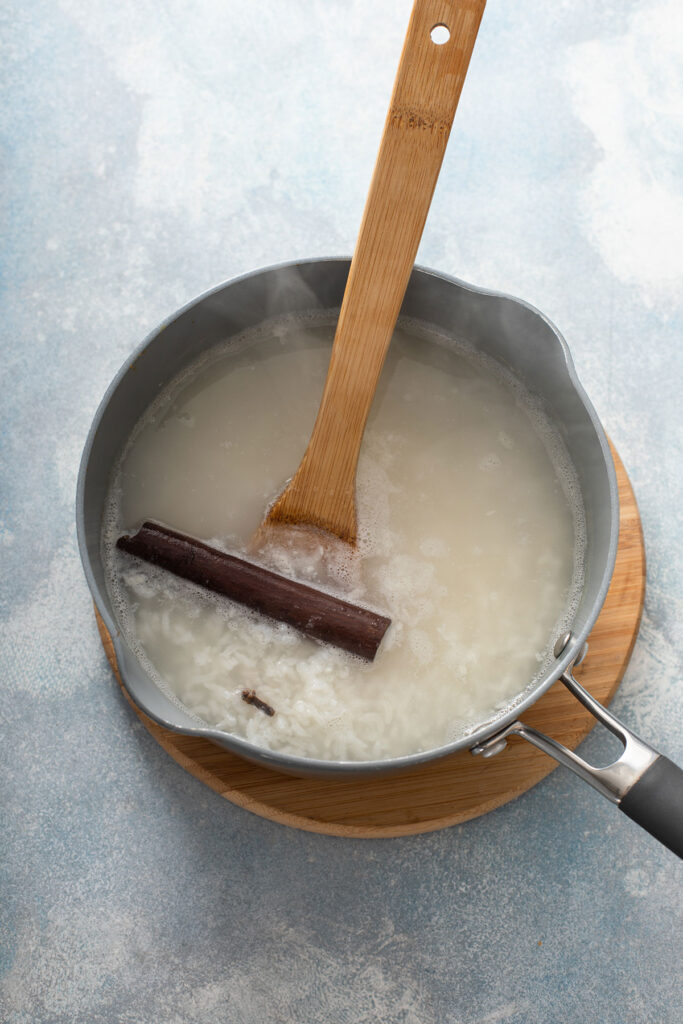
471,534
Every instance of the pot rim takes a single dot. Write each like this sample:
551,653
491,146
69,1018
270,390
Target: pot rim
295,764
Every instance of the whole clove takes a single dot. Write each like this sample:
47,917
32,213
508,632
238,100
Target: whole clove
249,697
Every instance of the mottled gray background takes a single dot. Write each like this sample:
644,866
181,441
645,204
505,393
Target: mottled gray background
151,150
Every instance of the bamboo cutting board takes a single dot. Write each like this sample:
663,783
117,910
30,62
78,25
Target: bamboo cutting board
453,789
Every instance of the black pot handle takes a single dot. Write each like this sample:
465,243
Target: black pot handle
655,802
645,785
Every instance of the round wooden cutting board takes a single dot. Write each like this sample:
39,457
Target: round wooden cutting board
453,789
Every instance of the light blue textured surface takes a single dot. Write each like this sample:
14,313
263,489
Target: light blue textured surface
150,151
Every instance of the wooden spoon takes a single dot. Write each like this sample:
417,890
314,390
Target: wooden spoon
321,495
428,83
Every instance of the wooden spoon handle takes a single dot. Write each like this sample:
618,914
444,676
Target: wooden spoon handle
425,97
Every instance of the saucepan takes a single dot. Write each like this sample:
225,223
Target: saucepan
644,784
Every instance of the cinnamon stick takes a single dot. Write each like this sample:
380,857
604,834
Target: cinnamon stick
313,612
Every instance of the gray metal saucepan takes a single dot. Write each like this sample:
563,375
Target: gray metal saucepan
646,785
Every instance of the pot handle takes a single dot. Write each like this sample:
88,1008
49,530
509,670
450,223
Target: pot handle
655,802
644,784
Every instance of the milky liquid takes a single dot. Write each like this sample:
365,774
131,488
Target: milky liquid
470,534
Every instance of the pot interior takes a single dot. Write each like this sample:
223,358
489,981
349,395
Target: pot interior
509,331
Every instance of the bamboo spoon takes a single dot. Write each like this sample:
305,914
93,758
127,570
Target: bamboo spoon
321,495
428,83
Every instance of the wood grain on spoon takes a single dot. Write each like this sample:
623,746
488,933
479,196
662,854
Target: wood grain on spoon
321,493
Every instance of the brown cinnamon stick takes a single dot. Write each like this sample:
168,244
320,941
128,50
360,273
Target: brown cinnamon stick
313,612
